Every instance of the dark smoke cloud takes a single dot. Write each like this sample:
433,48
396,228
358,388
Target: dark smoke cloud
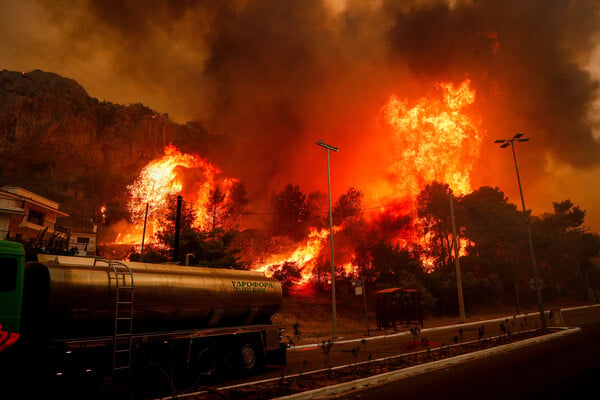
536,67
277,75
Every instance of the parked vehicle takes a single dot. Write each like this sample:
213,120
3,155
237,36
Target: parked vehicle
75,315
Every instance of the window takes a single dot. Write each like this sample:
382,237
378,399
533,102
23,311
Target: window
8,274
36,217
82,244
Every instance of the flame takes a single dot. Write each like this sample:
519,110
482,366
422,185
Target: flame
305,256
433,141
175,173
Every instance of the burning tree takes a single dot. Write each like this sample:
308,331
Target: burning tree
348,209
292,212
434,214
406,238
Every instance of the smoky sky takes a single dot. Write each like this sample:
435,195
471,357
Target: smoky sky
276,75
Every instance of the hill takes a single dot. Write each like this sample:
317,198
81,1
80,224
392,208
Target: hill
58,141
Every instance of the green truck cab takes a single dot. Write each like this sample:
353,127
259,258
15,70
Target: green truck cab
12,273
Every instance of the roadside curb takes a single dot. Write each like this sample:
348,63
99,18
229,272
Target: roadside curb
441,327
341,388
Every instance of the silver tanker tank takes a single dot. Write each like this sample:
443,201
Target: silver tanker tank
68,297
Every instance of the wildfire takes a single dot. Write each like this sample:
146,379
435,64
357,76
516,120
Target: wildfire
305,256
433,141
175,173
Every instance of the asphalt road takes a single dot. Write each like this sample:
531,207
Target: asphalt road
566,368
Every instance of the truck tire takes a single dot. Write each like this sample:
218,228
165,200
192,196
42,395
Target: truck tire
206,363
251,357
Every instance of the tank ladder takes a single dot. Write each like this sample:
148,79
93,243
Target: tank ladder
122,343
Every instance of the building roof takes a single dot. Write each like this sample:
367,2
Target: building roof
19,193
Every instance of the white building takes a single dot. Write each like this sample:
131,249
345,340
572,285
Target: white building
84,240
25,214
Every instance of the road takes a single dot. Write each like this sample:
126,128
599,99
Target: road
565,368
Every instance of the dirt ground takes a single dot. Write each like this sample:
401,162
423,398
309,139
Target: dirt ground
309,320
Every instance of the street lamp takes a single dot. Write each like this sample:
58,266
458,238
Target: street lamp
510,142
461,301
327,148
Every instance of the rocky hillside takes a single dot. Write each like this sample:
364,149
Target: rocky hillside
58,141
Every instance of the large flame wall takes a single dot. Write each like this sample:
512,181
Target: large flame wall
433,139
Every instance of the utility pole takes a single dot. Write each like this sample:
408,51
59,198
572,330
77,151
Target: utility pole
327,148
461,302
510,142
144,234
177,228
145,222
364,290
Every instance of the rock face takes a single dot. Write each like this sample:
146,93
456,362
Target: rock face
56,140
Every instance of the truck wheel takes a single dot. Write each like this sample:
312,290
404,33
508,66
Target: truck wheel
207,362
250,357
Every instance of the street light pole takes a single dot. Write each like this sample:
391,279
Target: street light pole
144,234
461,301
327,148
505,143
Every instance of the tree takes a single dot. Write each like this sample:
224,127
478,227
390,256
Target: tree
56,243
348,215
434,211
218,250
190,238
238,201
215,249
382,262
225,208
216,208
495,231
292,211
565,247
348,208
288,275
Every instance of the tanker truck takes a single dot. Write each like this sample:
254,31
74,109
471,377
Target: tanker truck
76,315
